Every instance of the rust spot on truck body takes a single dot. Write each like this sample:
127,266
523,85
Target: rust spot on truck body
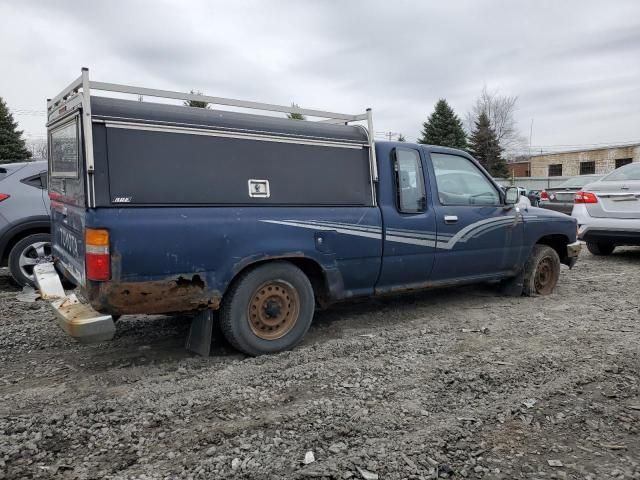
181,293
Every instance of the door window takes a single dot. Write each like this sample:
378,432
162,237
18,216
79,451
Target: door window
461,182
411,197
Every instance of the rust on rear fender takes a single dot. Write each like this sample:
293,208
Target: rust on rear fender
179,293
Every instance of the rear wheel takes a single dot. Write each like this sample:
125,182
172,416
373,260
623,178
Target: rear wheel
268,309
26,254
601,248
541,271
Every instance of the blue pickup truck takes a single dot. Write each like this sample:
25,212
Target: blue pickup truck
160,208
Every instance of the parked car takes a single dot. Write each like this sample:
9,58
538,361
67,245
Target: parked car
180,209
561,198
534,197
608,211
24,218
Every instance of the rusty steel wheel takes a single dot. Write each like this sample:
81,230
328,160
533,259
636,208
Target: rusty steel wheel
545,277
268,308
273,309
541,271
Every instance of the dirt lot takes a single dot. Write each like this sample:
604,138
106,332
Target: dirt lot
455,383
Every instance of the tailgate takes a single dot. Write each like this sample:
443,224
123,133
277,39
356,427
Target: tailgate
67,192
67,239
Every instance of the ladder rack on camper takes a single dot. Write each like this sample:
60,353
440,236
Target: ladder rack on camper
77,96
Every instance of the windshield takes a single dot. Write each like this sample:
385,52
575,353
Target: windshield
628,172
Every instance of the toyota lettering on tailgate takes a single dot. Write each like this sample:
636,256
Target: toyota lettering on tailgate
69,243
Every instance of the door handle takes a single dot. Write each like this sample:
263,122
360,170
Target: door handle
450,219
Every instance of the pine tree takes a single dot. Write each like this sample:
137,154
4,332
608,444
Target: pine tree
195,103
443,128
295,116
401,138
12,145
486,149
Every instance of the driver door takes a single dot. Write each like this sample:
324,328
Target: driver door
477,236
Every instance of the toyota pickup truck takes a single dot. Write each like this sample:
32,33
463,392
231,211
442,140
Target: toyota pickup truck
160,208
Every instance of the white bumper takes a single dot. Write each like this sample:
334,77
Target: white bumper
77,319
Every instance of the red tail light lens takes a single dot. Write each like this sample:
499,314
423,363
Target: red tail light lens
586,197
544,195
97,258
4,196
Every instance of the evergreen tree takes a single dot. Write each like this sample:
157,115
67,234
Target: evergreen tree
401,138
195,103
485,147
295,116
12,145
443,128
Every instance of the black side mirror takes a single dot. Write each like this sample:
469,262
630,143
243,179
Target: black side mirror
511,196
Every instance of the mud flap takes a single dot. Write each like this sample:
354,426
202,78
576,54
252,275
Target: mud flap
200,333
514,286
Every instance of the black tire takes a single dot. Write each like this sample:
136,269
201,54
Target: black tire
279,295
601,248
541,272
26,249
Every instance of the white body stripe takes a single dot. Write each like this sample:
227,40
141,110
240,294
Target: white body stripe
445,241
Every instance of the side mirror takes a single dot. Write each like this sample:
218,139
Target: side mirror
511,196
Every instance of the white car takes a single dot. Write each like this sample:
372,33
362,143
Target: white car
608,210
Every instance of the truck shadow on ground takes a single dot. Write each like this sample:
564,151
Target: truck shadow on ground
161,339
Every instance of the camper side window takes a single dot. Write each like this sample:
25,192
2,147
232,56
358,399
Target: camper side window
63,144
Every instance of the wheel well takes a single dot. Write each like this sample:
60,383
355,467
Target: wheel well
19,236
309,267
558,242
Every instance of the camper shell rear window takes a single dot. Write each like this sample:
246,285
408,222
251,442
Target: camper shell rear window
63,144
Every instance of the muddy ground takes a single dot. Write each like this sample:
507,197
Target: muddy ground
458,383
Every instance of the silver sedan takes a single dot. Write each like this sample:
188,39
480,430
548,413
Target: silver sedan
608,210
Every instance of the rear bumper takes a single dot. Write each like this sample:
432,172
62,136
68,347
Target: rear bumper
82,322
562,207
619,231
78,320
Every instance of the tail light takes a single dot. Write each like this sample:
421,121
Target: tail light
97,258
544,195
4,196
586,197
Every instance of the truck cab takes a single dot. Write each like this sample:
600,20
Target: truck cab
159,208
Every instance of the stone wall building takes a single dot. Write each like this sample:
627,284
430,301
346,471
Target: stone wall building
584,162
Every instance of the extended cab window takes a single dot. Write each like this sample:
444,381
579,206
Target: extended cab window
409,181
461,182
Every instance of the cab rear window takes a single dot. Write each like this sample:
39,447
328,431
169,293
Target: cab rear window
63,142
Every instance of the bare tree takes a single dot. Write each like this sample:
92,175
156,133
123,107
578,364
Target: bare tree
38,149
500,110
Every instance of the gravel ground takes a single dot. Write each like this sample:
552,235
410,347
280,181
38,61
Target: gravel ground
458,383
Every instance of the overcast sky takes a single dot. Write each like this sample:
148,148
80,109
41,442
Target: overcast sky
575,65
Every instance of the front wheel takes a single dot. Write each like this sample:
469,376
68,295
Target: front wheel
268,309
541,271
601,248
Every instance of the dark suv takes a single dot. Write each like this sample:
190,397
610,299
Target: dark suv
24,218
